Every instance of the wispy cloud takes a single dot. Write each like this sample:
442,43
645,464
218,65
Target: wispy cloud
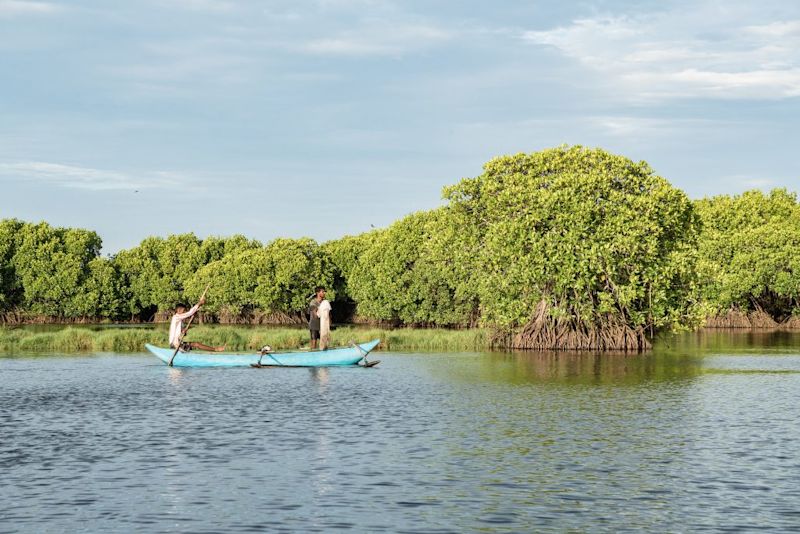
632,127
221,67
237,55
753,182
679,54
777,29
87,178
180,67
377,41
200,5
22,7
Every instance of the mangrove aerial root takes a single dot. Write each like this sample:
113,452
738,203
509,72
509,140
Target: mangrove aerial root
543,332
737,319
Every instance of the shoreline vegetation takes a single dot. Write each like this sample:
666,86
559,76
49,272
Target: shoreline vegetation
69,339
237,339
570,248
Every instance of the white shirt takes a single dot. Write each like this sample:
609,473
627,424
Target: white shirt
176,326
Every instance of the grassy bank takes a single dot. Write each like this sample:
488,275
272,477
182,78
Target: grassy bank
76,339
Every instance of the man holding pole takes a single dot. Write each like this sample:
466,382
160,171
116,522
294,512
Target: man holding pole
176,330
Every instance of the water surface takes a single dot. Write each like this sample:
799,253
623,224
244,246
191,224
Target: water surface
701,434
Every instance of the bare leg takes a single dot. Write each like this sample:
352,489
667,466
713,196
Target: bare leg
201,346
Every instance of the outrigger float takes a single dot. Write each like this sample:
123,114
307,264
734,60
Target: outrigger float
352,355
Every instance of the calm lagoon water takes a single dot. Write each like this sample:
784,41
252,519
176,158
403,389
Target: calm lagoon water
701,434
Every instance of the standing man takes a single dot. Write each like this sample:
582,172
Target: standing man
313,316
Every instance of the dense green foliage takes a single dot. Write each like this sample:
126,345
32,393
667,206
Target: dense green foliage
574,236
50,271
412,273
278,278
10,289
597,238
58,273
344,255
157,273
749,252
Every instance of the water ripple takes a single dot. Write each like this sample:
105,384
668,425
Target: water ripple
423,443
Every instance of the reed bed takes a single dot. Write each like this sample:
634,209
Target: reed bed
236,339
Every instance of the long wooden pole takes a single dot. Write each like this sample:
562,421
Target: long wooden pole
180,339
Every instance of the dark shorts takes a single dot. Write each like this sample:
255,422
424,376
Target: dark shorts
314,334
186,346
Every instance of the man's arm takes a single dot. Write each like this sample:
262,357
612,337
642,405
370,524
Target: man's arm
189,313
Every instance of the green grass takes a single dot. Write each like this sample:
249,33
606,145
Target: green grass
78,339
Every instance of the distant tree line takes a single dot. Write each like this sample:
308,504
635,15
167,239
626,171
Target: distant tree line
749,259
569,247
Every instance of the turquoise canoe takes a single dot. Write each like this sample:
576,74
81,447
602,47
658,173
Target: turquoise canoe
311,358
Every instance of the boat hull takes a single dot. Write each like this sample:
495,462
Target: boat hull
316,358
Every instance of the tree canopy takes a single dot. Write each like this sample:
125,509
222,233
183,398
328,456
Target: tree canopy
749,252
569,247
411,272
581,237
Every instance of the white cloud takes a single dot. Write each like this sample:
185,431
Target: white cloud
201,5
378,41
249,46
218,67
752,182
86,178
22,7
178,68
702,53
632,127
777,29
756,84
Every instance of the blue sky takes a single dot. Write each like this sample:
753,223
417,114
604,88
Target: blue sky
322,118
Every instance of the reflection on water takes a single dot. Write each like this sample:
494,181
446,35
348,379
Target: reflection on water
319,375
589,368
699,434
733,341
